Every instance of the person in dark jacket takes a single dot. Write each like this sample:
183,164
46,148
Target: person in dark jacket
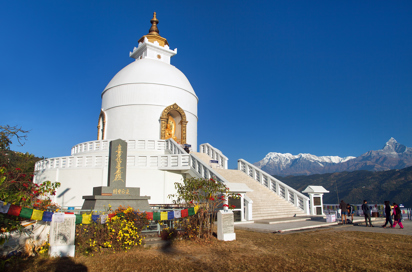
387,214
344,210
367,213
351,211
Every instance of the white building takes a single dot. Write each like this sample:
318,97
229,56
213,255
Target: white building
152,105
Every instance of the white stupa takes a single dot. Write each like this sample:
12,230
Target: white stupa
151,105
146,103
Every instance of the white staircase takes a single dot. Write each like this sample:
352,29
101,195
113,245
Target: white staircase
271,197
266,203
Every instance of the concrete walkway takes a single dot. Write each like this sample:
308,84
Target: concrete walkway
282,225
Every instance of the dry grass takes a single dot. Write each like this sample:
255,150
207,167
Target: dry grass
322,250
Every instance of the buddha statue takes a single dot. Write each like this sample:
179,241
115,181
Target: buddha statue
170,128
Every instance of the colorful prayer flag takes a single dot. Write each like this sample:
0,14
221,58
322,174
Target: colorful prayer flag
163,216
14,210
156,215
185,213
110,216
86,218
95,218
149,215
177,213
79,219
103,218
170,215
37,215
4,206
26,213
58,218
196,208
47,216
191,211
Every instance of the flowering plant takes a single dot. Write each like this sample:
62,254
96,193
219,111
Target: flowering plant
121,232
210,195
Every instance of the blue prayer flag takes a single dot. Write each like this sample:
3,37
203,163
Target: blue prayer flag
47,216
170,215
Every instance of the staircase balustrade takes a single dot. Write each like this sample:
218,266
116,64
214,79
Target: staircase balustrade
197,165
215,154
291,195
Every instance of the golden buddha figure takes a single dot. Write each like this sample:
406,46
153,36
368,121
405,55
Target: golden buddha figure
170,128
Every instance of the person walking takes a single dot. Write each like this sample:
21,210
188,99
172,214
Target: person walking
388,214
367,213
351,211
344,210
397,216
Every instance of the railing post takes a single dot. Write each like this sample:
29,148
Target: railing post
287,194
277,187
296,200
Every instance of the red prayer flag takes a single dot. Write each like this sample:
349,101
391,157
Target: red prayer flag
185,213
14,210
149,215
110,216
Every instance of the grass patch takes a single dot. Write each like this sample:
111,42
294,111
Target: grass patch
321,250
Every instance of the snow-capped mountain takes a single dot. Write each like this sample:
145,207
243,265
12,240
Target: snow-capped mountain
392,156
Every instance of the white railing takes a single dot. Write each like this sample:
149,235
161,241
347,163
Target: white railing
291,195
150,145
215,154
164,162
173,147
197,165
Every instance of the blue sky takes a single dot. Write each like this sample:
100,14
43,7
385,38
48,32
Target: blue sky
319,77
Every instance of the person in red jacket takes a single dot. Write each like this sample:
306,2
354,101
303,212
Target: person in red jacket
397,215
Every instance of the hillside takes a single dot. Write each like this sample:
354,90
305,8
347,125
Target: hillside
354,187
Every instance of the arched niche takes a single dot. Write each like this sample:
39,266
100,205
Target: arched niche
179,116
101,125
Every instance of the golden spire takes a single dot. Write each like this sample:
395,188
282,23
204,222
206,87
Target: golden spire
154,33
154,30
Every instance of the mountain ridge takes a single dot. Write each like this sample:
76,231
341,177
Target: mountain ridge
392,156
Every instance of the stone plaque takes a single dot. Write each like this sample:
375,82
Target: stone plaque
225,226
117,164
62,234
228,225
62,237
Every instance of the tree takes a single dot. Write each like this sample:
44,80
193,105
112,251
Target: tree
16,178
209,194
8,132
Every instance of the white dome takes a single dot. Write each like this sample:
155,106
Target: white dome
152,72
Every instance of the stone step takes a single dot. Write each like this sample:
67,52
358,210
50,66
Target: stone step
266,203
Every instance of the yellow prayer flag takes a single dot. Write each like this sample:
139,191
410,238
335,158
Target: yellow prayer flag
163,216
196,208
86,218
37,215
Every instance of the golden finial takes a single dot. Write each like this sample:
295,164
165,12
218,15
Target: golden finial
154,33
154,30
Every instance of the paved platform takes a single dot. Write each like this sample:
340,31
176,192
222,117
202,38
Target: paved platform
407,230
282,225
